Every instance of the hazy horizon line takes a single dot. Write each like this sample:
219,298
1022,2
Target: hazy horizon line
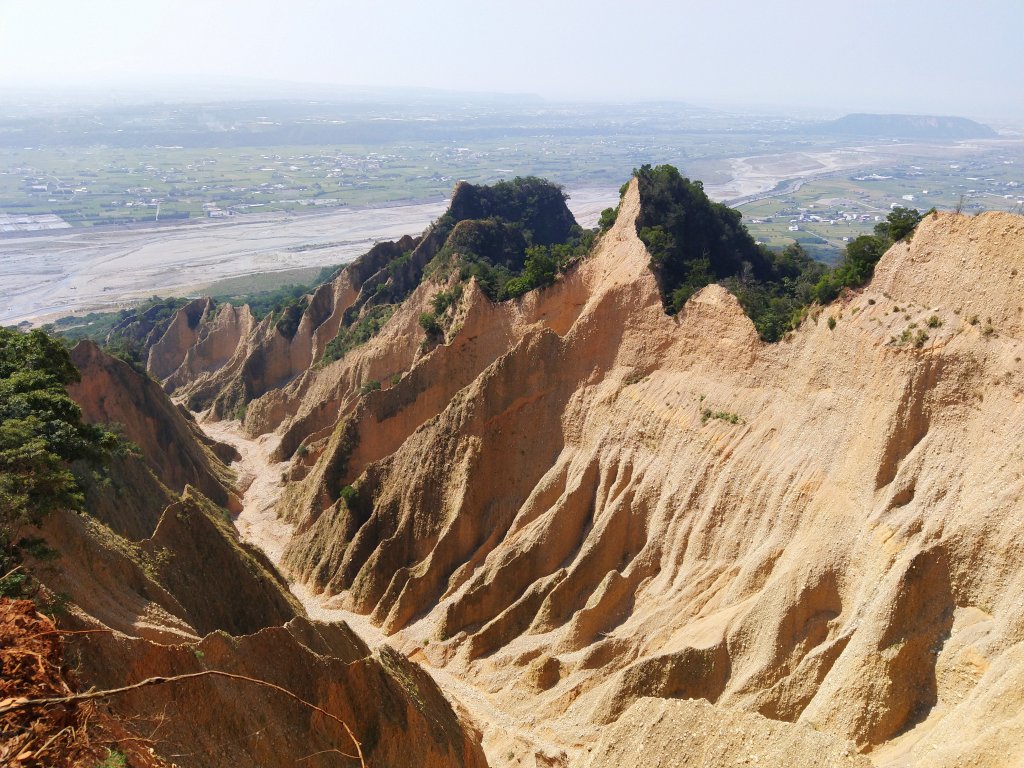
196,89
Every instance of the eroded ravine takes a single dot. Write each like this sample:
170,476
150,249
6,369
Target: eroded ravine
570,519
259,480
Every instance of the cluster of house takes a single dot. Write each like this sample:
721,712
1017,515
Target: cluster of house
214,211
804,216
54,190
829,218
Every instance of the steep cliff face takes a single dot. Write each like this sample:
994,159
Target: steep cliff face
822,531
183,594
185,330
576,502
221,358
190,360
174,448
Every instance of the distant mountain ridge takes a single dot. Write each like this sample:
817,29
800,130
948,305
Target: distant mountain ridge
908,127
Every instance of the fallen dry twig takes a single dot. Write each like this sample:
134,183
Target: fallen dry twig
10,705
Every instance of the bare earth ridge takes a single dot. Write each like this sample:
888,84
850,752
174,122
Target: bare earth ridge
577,510
155,582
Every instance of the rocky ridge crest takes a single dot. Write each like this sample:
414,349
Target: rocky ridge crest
582,502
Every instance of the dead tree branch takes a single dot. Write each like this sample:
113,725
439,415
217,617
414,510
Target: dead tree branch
10,705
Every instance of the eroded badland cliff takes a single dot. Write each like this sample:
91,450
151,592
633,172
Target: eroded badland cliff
614,536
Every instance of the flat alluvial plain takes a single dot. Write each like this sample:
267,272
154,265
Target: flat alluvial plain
48,275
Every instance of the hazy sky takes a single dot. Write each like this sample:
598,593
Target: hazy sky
894,55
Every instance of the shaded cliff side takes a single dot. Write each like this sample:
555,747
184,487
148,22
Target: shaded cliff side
182,593
170,443
582,502
667,506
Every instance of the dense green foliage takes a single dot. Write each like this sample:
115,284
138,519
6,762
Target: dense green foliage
41,430
607,220
289,316
862,254
512,237
358,333
93,326
444,299
534,206
430,324
41,434
539,269
776,305
856,267
694,242
544,263
501,260
899,224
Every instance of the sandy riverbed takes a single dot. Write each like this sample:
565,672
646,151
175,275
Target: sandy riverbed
46,276
260,480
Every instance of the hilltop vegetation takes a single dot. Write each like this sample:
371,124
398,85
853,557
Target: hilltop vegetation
519,235
694,242
516,236
512,237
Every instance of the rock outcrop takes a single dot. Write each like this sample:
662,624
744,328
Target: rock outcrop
582,502
183,594
170,443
